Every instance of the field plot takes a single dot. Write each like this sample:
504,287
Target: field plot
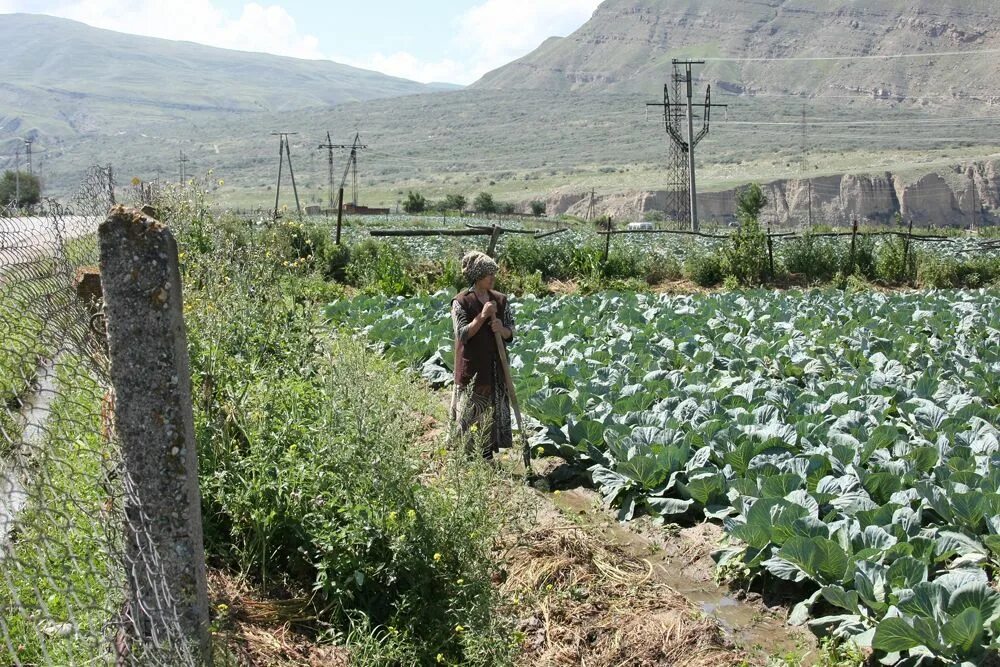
846,441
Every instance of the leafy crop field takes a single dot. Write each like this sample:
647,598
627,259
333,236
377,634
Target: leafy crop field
847,442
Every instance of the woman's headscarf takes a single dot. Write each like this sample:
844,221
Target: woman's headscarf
477,265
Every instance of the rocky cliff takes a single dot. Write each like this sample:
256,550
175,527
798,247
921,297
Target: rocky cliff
627,46
966,194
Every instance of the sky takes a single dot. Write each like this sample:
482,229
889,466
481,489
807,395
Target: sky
453,41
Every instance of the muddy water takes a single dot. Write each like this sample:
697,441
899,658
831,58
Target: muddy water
35,415
749,625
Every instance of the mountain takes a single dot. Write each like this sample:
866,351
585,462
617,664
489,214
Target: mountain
59,78
628,45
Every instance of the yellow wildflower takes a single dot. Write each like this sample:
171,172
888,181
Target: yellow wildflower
459,629
437,557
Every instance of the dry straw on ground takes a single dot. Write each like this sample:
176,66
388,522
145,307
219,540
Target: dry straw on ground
587,603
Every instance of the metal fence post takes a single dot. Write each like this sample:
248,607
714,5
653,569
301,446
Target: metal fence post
153,418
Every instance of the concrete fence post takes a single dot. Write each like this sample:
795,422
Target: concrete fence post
167,591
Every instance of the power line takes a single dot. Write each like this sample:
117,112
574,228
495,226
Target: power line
892,56
829,123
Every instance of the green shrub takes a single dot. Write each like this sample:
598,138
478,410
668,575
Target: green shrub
704,270
972,273
745,256
311,485
335,261
415,202
865,260
624,264
937,273
484,203
816,259
659,269
893,265
379,268
522,284
21,186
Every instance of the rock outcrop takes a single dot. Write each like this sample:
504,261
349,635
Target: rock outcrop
968,194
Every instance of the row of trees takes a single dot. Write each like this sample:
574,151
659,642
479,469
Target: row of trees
483,203
20,189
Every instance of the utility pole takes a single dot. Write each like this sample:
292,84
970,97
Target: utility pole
329,147
352,163
803,164
283,151
975,214
111,185
27,144
810,203
692,140
182,161
17,177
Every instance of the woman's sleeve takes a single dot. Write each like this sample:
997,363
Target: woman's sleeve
460,322
507,319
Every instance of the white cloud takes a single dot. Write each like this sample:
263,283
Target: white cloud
499,31
408,66
488,35
266,28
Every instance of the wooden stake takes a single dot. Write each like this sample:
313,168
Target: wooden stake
512,394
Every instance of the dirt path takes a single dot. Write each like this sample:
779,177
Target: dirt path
580,589
679,561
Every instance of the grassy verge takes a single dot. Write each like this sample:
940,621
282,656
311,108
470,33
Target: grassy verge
58,588
312,490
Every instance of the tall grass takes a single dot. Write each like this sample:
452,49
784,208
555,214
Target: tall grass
311,483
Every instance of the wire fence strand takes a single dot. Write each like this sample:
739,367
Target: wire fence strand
67,544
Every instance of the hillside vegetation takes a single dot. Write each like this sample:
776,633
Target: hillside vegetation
628,46
61,78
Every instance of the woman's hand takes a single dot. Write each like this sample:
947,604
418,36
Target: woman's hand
489,310
497,325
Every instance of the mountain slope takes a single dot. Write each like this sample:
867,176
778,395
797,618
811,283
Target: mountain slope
628,45
61,77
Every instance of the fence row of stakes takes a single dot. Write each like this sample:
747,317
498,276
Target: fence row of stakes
496,231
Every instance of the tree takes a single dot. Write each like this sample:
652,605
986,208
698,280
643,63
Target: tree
506,208
537,208
27,185
415,202
745,257
455,202
484,203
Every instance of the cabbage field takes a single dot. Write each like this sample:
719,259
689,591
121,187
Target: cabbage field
847,442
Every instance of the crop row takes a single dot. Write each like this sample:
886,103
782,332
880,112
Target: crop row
846,441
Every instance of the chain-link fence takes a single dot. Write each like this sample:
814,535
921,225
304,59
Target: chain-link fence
73,536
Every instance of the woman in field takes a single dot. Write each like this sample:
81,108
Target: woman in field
482,407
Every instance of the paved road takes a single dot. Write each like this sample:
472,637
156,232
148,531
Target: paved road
25,240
